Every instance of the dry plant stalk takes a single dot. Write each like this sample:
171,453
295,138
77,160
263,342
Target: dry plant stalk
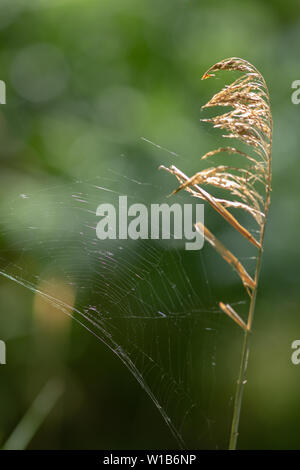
248,185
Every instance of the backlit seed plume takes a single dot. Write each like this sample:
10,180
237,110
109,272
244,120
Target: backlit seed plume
246,183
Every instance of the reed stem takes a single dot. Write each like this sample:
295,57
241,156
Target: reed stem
241,382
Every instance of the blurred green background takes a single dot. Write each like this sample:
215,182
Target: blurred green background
85,81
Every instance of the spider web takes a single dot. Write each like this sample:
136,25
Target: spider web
150,302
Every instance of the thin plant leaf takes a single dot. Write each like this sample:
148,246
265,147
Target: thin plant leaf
233,315
246,279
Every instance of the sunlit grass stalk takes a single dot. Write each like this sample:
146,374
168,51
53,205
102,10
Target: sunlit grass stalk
243,365
248,185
